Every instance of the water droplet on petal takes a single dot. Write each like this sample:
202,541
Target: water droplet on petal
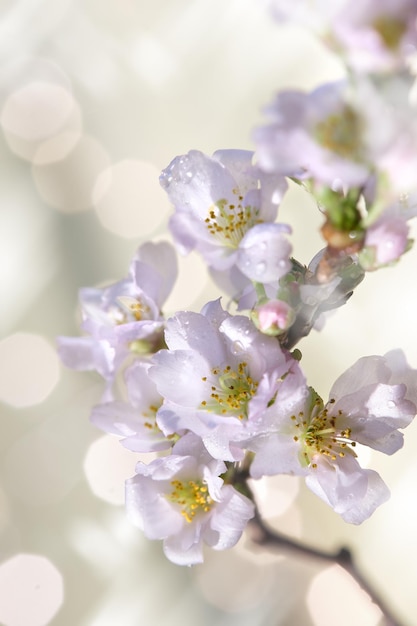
165,179
391,404
311,301
276,197
179,171
237,347
260,268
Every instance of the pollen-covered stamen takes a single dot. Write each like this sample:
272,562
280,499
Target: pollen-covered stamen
149,416
320,434
341,133
229,222
390,29
132,309
116,315
232,391
192,496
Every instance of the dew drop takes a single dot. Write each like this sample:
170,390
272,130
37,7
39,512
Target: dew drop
179,171
260,268
237,347
165,179
391,404
276,197
311,301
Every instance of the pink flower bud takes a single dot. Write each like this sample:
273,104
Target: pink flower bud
273,317
389,238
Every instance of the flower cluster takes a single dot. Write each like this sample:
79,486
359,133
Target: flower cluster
220,397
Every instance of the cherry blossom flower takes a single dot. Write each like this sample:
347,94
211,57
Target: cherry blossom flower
372,35
135,420
183,500
331,135
385,242
387,236
376,35
224,207
367,405
217,377
125,317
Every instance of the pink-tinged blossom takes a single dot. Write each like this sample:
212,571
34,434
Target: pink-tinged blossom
371,35
385,242
183,500
273,317
218,200
332,135
387,237
399,165
367,405
217,378
376,35
125,317
135,420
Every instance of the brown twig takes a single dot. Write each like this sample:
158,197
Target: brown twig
265,536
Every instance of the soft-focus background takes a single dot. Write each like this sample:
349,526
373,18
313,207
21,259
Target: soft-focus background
96,97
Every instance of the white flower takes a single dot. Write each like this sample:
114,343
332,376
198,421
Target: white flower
125,317
135,420
372,35
304,436
218,201
333,134
217,378
183,500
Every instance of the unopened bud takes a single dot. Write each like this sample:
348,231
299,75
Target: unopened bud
274,317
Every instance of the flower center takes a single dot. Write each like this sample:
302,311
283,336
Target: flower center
231,392
228,223
390,30
192,496
149,416
319,434
132,310
341,133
